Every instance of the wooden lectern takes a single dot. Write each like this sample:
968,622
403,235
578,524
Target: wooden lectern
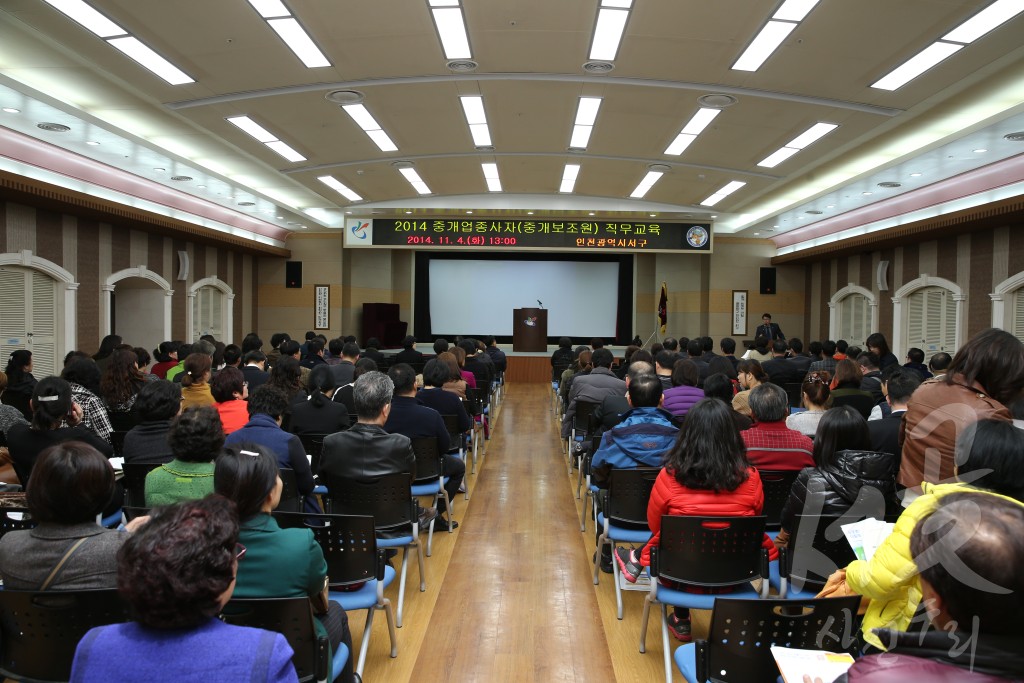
529,329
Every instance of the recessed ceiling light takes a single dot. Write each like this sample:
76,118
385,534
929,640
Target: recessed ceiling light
91,142
529,213
647,183
159,169
408,212
867,194
53,127
201,187
756,234
451,28
763,45
611,22
148,58
281,218
726,190
915,175
994,15
364,119
569,175
299,42
469,212
340,188
830,206
591,213
980,151
12,110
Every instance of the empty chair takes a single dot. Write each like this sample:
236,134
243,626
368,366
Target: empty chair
134,482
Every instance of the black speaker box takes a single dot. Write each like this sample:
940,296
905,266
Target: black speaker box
768,281
293,274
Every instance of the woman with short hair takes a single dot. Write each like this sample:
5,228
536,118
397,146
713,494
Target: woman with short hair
230,390
20,381
195,381
176,574
195,438
157,405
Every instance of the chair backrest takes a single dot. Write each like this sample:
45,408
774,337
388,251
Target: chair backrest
349,544
21,520
710,551
478,397
388,499
429,464
134,482
291,500
743,631
292,618
314,446
122,421
581,420
451,424
39,631
777,485
117,441
629,490
794,390
131,513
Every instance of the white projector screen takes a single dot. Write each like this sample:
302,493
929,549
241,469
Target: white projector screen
477,297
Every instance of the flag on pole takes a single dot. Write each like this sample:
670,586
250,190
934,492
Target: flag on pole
663,307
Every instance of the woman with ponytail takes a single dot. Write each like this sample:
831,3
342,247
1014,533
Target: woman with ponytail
319,414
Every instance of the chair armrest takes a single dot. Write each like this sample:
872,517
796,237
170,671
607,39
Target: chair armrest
764,573
700,659
654,563
381,563
322,668
784,567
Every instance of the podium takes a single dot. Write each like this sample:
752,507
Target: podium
529,329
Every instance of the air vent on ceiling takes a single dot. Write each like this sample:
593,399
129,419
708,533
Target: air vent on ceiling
247,203
485,148
717,100
1015,137
814,212
344,96
462,65
890,184
402,163
54,127
598,67
181,178
660,168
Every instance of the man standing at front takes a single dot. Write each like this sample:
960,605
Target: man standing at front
769,329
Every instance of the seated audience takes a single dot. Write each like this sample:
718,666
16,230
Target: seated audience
846,472
986,374
780,369
728,347
594,387
436,374
176,573
274,354
440,346
345,369
846,389
828,360
314,354
898,387
614,406
988,461
230,391
232,356
158,404
684,393
915,362
343,394
184,351
719,386
106,350
871,376
760,351
84,377
195,439
750,375
195,381
561,359
121,383
814,393
71,484
372,350
581,367
166,358
254,369
408,354
771,445
287,378
51,407
290,349
266,411
320,414
9,415
878,345
969,553
495,354
939,364
798,359
664,364
706,473
278,563
474,363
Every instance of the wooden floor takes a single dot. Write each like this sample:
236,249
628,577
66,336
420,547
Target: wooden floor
509,595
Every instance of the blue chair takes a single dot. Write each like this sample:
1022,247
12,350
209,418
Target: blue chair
743,631
429,479
292,618
708,553
628,494
388,499
356,568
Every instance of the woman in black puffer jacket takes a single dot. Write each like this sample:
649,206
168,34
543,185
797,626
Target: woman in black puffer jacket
847,472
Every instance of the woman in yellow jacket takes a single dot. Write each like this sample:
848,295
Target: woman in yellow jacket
195,382
890,578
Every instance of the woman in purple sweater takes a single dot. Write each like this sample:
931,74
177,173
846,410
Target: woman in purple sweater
176,573
684,393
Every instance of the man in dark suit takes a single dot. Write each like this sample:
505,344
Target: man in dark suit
413,419
780,370
769,329
728,346
255,369
899,385
409,354
798,359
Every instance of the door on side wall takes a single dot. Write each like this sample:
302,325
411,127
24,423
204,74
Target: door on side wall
208,313
854,319
931,321
28,317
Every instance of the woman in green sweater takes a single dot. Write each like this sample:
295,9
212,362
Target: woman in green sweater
196,438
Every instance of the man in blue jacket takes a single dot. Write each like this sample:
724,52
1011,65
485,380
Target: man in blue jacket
640,440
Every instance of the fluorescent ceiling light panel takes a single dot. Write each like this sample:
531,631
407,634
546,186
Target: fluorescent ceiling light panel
252,128
607,34
444,3
381,139
916,65
340,188
727,190
296,38
812,135
269,9
994,15
680,144
452,29
580,137
763,45
414,179
586,111
569,177
144,55
777,157
362,117
493,184
88,17
473,106
792,10
481,134
646,184
284,150
622,4
700,120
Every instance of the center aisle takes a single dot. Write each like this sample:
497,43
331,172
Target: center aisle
515,604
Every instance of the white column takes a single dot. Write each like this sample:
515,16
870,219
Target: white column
70,340
961,310
106,306
898,327
833,320
998,311
168,307
188,316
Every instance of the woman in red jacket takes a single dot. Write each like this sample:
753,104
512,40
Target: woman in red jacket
706,473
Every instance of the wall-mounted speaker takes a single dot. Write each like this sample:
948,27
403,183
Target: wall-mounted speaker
768,281
293,274
182,265
882,276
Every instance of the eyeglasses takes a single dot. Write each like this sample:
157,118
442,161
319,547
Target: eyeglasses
239,551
